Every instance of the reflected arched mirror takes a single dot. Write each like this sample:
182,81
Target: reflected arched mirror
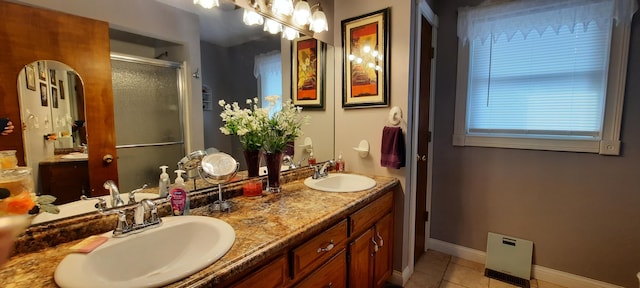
51,96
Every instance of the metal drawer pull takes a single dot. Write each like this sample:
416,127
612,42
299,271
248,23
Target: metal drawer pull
381,241
330,285
328,248
375,245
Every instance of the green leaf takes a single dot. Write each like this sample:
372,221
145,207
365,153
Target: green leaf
50,208
46,199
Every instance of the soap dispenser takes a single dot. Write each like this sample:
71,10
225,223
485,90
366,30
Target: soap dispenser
179,196
312,159
340,163
164,183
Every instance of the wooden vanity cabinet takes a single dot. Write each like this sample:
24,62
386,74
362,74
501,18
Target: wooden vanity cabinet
357,252
67,180
371,251
271,275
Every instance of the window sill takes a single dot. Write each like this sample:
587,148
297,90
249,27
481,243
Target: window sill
569,145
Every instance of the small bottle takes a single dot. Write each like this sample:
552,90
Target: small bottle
179,196
312,159
340,163
164,183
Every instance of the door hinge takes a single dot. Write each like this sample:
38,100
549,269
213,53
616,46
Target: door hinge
433,52
428,136
426,216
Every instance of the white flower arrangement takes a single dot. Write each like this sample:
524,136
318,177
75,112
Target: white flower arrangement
247,123
256,130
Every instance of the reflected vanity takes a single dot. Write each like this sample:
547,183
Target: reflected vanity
73,163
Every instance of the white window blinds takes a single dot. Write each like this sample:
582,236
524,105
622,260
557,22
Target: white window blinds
268,71
543,74
542,84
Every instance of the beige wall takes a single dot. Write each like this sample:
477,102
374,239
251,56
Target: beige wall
582,211
156,20
354,125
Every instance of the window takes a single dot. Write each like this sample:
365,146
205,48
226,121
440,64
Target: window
268,71
544,74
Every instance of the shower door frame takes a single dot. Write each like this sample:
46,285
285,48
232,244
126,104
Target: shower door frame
181,95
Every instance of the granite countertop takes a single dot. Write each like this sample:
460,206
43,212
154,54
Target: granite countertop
264,227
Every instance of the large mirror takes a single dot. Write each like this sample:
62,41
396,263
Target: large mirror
227,72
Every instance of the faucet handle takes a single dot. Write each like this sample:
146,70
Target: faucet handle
132,194
101,205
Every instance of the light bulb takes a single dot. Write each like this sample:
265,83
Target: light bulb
371,65
289,33
318,22
207,3
359,60
374,53
282,7
272,27
352,57
301,13
366,48
252,18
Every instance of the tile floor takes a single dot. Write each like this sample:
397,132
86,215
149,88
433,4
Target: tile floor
439,270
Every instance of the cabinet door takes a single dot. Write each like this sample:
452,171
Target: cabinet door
384,256
333,274
361,261
270,276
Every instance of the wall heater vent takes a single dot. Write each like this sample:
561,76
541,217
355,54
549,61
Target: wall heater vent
509,259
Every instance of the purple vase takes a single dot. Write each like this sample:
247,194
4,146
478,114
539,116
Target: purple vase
274,161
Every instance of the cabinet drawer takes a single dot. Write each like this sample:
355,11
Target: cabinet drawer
319,248
333,274
270,276
365,217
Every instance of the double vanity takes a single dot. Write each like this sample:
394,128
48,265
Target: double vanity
301,237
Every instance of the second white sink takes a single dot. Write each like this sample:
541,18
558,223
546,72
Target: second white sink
341,183
180,247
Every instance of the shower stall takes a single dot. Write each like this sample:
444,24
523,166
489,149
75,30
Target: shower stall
148,110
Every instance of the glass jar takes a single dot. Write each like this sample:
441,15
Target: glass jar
8,159
16,191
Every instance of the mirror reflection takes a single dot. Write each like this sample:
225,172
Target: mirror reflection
52,109
228,73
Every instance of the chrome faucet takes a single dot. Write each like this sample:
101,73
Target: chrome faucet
132,194
321,171
116,201
287,160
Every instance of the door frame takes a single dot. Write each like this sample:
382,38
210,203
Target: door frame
423,11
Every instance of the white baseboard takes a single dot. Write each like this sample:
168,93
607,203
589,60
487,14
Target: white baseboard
538,272
400,278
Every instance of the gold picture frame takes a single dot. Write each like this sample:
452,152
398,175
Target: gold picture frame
307,73
30,77
366,68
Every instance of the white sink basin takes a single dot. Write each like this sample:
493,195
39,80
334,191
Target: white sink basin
85,206
341,183
75,155
181,246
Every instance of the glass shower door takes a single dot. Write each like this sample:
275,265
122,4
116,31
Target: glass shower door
148,118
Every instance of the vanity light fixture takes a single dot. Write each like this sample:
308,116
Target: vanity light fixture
318,21
302,13
290,33
207,3
272,26
282,7
252,18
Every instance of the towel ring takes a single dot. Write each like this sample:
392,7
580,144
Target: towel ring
395,115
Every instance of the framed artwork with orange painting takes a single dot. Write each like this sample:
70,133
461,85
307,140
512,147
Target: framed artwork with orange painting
307,73
366,60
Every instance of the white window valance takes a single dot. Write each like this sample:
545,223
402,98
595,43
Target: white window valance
525,16
267,64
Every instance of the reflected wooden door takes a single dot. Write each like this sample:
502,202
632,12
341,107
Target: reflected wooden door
424,137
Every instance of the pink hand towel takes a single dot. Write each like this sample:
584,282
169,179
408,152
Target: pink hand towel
393,150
